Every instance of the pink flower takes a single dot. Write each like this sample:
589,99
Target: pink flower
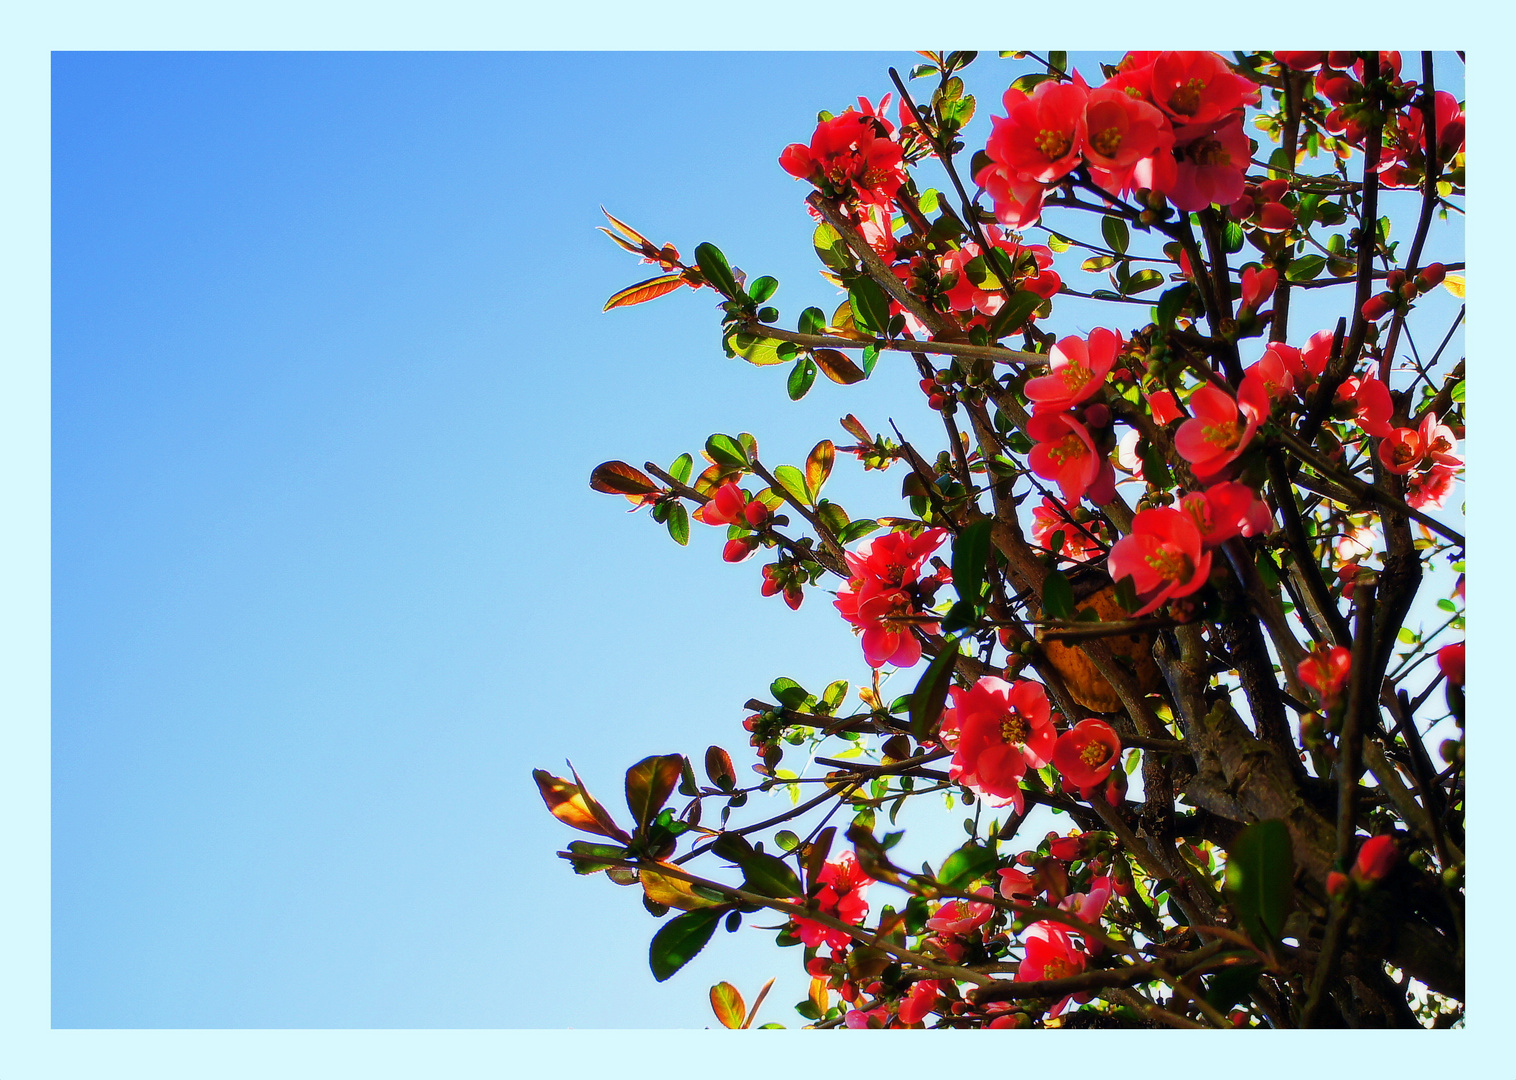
1162,556
920,1001
1325,671
1258,286
1016,884
1164,408
1076,371
1080,542
1002,729
726,506
1226,510
873,1018
852,155
1120,131
1212,169
1450,662
1086,753
894,558
1040,138
1222,427
1273,371
962,916
1401,450
1198,90
1018,203
1051,953
841,896
1430,489
1438,441
1065,452
1374,407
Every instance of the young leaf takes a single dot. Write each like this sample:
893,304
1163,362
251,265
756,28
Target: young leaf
680,939
818,466
649,783
572,805
931,692
792,482
768,875
619,478
728,1005
762,289
644,291
680,469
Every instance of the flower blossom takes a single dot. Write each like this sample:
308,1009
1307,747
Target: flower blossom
1003,728
1076,371
1222,426
1051,953
1162,555
1325,671
852,155
1086,753
841,896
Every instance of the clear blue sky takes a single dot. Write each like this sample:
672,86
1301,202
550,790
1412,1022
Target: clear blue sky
329,375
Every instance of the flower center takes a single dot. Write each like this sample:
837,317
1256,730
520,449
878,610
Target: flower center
1209,153
1075,375
1070,446
1058,968
1095,753
1222,436
1186,99
1014,729
1170,565
1107,142
1053,144
1404,452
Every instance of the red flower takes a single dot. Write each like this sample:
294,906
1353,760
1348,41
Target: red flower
841,896
1226,510
726,506
962,916
1273,371
1222,426
1162,556
921,1000
1450,661
852,155
1430,488
776,578
894,558
1040,138
1002,729
1212,169
1018,203
1080,541
1438,441
1164,408
1086,753
1198,90
1325,671
1120,131
1051,953
1065,452
1076,371
1016,884
1374,407
1257,286
1401,450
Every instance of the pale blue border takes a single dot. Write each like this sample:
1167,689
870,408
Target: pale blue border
30,1049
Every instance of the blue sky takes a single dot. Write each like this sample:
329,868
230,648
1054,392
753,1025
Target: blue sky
329,375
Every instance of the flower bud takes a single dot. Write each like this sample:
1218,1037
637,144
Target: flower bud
1337,883
1273,190
1431,276
739,548
1378,306
755,513
1376,859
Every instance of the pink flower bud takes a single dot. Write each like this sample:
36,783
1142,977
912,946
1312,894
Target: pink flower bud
755,513
1337,883
1378,306
739,549
1450,660
1431,276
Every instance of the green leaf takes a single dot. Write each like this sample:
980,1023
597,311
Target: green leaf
1457,392
762,289
725,450
680,469
960,616
857,530
834,254
871,308
812,321
1116,234
1231,237
714,266
965,865
679,523
1142,281
1059,60
1305,268
802,377
789,693
760,351
590,854
1260,870
1126,594
792,482
1057,596
680,939
931,692
649,783
1232,984
870,358
832,516
832,696
971,552
769,875
1014,313
818,466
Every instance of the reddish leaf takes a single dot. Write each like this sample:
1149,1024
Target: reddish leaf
573,806
853,427
643,291
649,783
837,367
625,229
819,466
619,478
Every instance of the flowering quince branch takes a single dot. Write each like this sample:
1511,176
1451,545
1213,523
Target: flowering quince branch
1155,583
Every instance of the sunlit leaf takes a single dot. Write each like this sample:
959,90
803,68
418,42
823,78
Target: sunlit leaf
728,1005
649,783
680,939
619,478
818,466
644,291
1260,871
572,805
837,367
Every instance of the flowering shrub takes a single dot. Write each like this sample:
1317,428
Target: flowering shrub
1163,581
